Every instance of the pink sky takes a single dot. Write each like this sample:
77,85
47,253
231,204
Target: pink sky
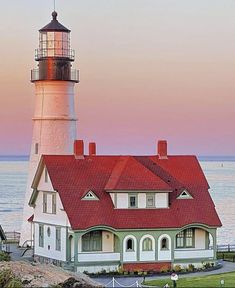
149,70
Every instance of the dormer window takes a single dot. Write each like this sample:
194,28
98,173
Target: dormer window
133,201
185,195
150,201
90,195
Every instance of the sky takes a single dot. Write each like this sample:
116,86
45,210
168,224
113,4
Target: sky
149,70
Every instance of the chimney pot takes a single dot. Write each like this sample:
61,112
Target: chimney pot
92,148
79,149
162,149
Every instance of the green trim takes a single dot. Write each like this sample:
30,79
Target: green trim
128,230
115,200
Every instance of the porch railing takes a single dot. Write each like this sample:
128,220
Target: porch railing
226,248
193,253
96,257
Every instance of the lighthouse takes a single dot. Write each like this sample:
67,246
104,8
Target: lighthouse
54,121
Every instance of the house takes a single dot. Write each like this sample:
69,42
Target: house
2,239
96,212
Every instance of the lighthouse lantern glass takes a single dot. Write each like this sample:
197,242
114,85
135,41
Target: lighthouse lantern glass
54,44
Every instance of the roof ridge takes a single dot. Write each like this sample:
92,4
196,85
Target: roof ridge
117,172
160,172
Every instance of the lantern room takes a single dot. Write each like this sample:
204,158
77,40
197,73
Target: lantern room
54,41
54,54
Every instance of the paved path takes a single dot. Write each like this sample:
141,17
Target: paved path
128,281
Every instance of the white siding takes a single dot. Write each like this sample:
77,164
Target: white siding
200,239
142,200
60,218
122,200
161,200
45,186
49,248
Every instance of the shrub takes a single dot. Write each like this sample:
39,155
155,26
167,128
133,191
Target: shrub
164,269
191,267
7,280
120,269
14,283
177,268
207,265
4,256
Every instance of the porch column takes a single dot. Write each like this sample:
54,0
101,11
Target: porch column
213,233
76,236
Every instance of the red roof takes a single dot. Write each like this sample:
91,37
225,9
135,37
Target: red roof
73,177
129,174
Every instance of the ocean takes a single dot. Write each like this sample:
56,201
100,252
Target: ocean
219,171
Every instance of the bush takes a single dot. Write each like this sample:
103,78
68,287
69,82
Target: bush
191,267
177,268
206,265
4,256
164,269
14,283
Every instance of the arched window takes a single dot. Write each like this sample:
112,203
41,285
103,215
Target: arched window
147,244
164,243
130,245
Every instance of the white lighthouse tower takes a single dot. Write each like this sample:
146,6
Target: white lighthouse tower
54,128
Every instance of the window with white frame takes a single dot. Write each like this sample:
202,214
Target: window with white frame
41,235
53,203
130,245
133,201
147,244
58,239
150,200
92,241
44,205
185,238
164,244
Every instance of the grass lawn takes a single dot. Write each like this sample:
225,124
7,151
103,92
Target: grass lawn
212,281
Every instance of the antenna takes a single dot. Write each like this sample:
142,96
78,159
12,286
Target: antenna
54,4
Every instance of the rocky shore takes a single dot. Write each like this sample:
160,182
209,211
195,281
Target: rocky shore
44,275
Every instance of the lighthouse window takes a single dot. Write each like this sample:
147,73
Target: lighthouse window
36,148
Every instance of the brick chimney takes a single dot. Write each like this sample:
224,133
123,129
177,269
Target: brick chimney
92,148
162,149
78,148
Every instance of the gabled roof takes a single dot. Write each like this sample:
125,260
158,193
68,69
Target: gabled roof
73,177
129,174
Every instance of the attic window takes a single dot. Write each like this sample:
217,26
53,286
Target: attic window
185,195
90,195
